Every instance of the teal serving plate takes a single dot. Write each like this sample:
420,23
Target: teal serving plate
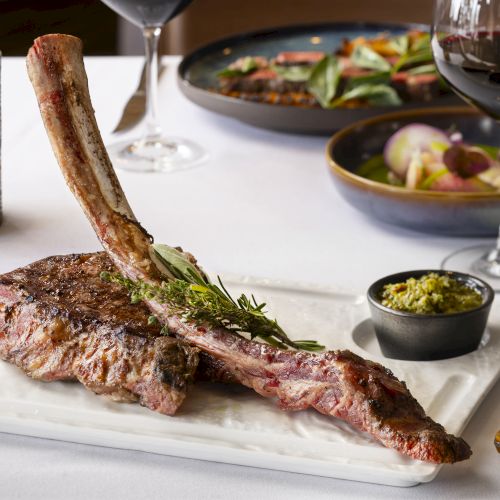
445,213
198,81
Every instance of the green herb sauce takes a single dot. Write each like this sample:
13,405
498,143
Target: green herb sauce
431,294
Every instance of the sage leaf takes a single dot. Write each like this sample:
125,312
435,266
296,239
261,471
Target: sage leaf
374,78
324,80
421,43
248,65
364,57
423,56
379,95
178,264
400,44
299,73
423,70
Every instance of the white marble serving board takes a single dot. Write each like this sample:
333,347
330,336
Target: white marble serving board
234,425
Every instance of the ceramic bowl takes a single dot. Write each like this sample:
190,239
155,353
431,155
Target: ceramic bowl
423,337
446,213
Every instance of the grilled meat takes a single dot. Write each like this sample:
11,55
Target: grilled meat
298,58
60,321
336,383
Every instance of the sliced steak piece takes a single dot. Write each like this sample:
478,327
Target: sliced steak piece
60,321
422,88
299,57
260,81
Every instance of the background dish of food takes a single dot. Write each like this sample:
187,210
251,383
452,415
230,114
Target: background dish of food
198,79
446,213
419,156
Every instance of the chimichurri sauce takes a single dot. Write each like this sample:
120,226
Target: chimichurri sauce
430,294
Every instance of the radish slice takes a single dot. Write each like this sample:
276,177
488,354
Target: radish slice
400,148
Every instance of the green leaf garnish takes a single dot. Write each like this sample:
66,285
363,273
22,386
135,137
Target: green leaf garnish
381,95
178,265
421,43
248,65
400,44
229,73
412,59
422,70
298,73
324,79
374,169
365,57
375,78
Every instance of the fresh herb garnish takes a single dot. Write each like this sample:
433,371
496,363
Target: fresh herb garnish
421,43
423,70
248,65
372,79
379,94
193,297
324,79
413,58
400,44
297,73
365,57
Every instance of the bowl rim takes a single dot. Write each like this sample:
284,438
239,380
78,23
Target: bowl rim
487,292
396,191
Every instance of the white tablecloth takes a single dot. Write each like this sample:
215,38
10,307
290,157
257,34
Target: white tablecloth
262,205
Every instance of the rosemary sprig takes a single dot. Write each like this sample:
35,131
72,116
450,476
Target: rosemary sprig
193,297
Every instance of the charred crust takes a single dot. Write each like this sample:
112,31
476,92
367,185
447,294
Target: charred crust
175,363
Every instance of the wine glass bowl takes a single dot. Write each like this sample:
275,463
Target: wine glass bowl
153,152
466,49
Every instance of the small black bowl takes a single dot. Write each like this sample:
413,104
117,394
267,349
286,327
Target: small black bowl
425,337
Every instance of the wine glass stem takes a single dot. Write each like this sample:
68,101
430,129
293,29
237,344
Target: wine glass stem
494,255
151,39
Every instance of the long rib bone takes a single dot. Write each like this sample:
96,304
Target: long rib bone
336,383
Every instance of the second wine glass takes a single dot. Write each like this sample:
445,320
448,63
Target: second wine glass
466,48
153,152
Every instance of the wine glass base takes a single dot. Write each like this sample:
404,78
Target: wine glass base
156,154
473,260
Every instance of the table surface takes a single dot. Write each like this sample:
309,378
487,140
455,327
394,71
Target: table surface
262,205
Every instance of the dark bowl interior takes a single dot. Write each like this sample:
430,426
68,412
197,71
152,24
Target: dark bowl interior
474,214
424,337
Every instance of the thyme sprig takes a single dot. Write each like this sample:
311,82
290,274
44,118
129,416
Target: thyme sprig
197,300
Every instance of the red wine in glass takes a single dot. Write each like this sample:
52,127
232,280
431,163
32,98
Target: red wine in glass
152,152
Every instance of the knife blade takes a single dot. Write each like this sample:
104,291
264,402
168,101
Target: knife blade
136,106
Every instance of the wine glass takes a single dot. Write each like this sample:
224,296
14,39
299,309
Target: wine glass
153,152
466,48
